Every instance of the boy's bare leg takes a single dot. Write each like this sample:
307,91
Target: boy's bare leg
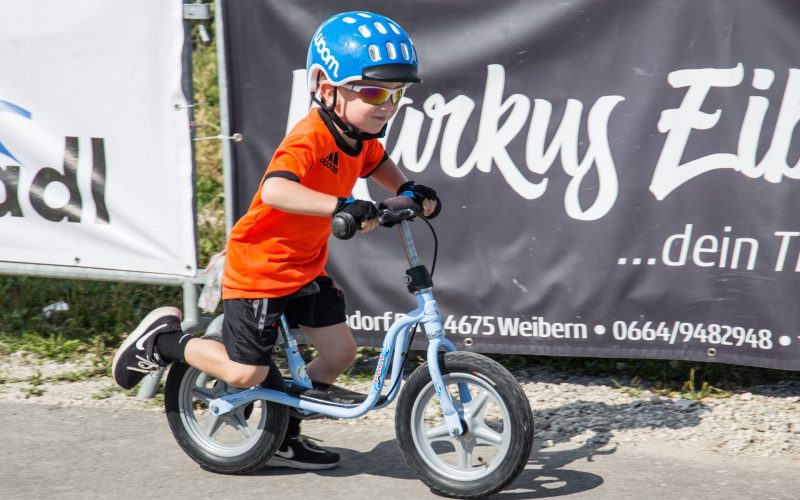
336,349
211,357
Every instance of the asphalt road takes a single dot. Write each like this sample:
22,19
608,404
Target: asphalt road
89,453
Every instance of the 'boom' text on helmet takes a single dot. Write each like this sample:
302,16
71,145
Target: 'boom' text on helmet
325,54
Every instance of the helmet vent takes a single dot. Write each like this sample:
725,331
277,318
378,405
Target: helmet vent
394,28
381,28
404,50
374,53
364,14
365,32
391,50
348,20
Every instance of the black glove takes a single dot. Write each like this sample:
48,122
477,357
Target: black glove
360,210
419,194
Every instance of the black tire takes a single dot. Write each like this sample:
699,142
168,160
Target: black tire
260,426
498,413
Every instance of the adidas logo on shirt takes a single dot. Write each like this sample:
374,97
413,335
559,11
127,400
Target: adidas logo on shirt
331,162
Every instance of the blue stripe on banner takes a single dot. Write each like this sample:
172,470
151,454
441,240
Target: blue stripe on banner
13,108
6,152
17,110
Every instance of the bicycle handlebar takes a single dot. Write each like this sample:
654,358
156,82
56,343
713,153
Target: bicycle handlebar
392,211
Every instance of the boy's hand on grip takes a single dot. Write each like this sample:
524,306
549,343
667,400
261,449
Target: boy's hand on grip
420,194
361,210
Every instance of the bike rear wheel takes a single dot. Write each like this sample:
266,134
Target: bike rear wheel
499,427
236,443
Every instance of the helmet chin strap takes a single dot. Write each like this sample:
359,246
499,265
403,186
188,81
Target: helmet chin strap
348,130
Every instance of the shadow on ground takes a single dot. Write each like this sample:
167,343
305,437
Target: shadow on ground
547,473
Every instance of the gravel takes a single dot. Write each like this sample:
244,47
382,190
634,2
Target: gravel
590,411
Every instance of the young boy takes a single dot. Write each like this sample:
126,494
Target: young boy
359,65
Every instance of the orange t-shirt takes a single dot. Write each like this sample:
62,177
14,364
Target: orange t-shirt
271,253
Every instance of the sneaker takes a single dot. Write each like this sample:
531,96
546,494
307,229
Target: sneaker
299,452
137,356
329,393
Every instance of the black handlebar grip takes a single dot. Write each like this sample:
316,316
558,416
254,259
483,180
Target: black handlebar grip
344,225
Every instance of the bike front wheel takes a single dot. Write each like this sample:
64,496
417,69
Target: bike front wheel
499,427
234,443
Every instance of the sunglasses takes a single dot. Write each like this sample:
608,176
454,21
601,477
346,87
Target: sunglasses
378,95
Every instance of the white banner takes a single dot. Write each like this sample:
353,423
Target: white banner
95,152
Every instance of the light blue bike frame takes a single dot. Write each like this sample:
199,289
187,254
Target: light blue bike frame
426,313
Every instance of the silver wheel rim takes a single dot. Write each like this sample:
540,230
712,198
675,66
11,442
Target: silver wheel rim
480,451
229,435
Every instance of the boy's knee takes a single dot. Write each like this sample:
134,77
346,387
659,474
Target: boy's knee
345,355
245,376
351,353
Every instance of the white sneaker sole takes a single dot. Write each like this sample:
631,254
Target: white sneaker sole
140,330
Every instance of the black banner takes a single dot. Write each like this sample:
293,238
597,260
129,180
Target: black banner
617,176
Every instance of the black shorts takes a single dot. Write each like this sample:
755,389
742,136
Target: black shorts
250,326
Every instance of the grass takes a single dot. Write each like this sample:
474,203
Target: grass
661,375
100,315
35,388
689,391
38,379
208,154
106,392
633,388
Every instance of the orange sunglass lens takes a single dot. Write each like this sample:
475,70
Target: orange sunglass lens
377,95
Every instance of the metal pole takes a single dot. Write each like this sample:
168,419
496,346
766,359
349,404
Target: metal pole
187,85
191,313
224,117
84,273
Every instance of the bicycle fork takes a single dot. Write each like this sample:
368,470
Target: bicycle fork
420,283
432,323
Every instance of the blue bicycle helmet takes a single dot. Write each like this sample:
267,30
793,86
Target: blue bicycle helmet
361,45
